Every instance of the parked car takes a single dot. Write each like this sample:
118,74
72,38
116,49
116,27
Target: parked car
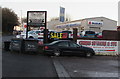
67,47
88,34
99,35
15,32
31,34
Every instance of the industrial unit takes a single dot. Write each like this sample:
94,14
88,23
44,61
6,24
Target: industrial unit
97,24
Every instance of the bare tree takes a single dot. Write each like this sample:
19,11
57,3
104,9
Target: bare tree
24,20
9,20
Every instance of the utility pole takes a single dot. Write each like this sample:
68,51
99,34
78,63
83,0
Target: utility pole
21,20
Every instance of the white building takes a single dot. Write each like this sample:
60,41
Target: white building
97,24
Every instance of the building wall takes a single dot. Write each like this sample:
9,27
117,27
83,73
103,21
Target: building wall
84,24
94,27
108,24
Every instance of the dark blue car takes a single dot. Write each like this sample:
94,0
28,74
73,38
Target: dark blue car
67,47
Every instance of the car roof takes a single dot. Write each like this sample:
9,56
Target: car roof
62,40
57,41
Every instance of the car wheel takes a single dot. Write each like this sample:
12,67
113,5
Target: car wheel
88,54
31,37
56,53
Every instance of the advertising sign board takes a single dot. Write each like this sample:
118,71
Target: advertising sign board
101,47
36,18
59,35
95,23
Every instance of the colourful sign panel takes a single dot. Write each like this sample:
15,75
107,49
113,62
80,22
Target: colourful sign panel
101,47
59,35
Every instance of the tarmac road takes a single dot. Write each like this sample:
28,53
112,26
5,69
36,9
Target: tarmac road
25,65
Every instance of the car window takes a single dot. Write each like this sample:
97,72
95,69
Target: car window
100,33
30,32
72,44
38,32
42,31
63,44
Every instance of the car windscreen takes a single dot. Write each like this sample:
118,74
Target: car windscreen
30,32
38,32
42,31
100,34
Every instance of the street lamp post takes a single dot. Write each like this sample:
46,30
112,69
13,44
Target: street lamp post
21,19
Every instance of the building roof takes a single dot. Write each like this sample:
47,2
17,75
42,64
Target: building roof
84,19
99,17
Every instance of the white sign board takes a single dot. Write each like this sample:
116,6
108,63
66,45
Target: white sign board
36,18
101,47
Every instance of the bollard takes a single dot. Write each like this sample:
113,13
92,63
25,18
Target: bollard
31,45
75,34
7,45
17,45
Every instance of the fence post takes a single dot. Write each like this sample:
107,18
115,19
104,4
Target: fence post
45,36
75,34
118,35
